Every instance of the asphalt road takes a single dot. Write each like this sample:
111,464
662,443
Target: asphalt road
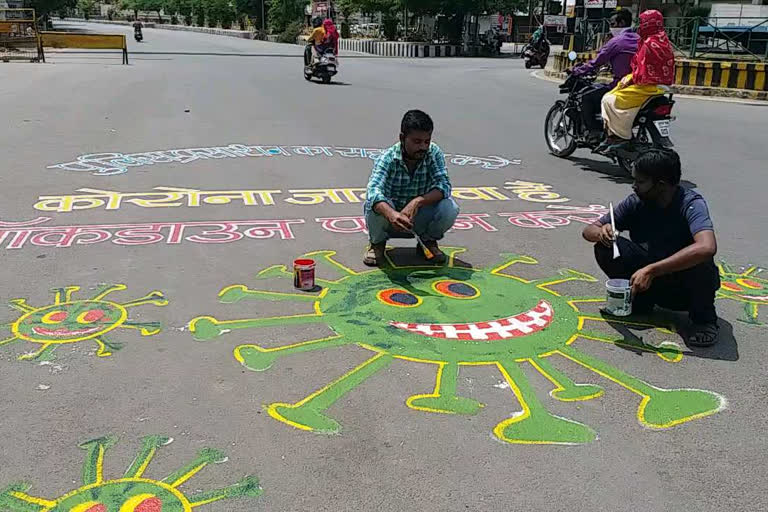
186,90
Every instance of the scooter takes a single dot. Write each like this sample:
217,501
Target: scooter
138,35
324,69
536,56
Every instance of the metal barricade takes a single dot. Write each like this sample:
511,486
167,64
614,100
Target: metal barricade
19,37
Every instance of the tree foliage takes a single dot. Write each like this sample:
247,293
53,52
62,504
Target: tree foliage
431,7
284,12
45,7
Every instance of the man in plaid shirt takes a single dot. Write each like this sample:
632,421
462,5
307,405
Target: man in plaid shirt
409,192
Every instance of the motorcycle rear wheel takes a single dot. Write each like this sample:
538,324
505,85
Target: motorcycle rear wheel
559,127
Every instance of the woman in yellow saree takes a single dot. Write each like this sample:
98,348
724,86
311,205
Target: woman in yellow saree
652,65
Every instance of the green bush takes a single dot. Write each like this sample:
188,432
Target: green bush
345,30
291,33
389,26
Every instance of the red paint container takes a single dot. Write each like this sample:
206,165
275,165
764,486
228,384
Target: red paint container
304,274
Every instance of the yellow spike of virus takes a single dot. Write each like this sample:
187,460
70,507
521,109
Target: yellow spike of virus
133,492
449,317
68,320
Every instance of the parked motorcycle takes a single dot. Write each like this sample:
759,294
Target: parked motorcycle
565,129
536,56
324,69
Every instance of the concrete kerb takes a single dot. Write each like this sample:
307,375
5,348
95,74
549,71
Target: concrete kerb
242,34
687,90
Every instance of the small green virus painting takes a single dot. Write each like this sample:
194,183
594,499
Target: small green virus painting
452,316
134,492
744,287
68,320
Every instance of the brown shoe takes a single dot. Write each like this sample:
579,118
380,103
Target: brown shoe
374,255
438,256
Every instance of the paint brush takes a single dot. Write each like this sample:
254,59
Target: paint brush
615,234
427,253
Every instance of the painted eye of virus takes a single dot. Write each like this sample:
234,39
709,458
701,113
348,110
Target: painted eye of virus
399,298
456,289
744,287
70,321
510,322
133,492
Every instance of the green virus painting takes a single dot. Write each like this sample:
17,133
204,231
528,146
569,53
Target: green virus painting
134,492
450,317
744,287
68,321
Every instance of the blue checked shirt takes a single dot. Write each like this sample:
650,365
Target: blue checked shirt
391,182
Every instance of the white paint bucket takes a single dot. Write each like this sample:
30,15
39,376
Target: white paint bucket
618,297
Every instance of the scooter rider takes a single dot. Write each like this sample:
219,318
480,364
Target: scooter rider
617,52
316,38
137,26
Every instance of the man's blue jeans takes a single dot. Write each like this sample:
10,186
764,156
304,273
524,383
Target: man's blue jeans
431,222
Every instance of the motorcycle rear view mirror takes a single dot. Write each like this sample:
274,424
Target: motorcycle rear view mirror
572,55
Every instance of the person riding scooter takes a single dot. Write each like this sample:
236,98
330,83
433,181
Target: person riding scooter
536,52
315,40
617,52
137,33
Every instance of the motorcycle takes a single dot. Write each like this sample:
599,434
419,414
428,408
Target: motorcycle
138,35
565,129
536,56
491,42
324,68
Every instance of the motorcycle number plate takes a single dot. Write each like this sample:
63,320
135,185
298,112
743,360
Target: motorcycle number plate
663,127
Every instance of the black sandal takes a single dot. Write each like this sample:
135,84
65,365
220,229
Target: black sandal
703,335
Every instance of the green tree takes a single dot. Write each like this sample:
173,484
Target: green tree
152,6
284,12
220,12
130,5
44,7
199,11
86,6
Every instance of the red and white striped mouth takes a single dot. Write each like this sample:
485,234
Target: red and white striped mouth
515,326
760,298
62,332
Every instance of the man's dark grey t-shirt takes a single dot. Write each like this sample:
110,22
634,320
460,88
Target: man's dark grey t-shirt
663,231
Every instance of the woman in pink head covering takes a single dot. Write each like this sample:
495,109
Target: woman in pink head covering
331,36
652,65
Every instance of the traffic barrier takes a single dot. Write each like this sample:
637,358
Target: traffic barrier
19,37
400,49
727,75
699,73
86,41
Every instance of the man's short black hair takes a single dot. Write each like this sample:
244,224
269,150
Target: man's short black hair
659,165
623,16
416,120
